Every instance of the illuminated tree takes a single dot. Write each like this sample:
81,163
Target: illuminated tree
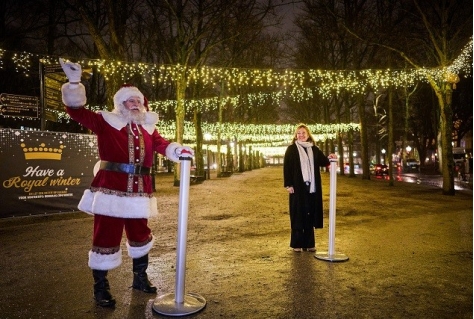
325,45
345,72
446,26
439,30
189,31
110,42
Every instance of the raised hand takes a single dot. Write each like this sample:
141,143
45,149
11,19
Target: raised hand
73,71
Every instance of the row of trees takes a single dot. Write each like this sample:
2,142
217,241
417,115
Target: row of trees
329,35
393,35
187,33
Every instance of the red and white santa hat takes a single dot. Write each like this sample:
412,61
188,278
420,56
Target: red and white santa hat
126,92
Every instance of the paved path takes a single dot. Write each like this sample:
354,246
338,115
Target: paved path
409,249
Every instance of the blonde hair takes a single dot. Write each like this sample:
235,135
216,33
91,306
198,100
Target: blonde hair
299,126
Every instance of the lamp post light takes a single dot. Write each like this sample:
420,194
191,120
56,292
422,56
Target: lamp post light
383,155
241,157
207,138
354,155
408,149
232,152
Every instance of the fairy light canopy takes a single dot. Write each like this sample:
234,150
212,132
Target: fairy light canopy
323,82
269,140
263,135
298,85
327,81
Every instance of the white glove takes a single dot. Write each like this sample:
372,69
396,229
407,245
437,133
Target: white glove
184,151
73,72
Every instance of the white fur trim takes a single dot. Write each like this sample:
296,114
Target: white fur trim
137,252
170,151
118,122
104,262
150,128
115,120
124,94
118,206
74,96
151,118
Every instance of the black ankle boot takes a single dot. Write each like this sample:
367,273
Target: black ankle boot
102,294
140,278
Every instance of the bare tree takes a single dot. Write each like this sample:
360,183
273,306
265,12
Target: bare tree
323,44
438,31
447,26
190,34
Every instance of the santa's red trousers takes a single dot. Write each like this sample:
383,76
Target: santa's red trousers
108,231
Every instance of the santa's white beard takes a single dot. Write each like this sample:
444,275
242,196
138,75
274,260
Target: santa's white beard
134,116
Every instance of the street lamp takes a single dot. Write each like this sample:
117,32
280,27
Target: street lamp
408,149
207,138
232,155
383,155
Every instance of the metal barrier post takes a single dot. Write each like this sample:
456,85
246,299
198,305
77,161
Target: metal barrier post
331,254
179,303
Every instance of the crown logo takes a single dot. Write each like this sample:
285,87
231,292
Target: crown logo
42,152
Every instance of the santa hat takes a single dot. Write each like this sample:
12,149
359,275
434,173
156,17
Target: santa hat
126,92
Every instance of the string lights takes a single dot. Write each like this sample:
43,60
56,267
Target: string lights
2,52
268,134
324,82
268,139
297,85
22,62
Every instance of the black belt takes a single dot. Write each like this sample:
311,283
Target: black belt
125,168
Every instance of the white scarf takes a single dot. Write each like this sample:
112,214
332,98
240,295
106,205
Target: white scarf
307,163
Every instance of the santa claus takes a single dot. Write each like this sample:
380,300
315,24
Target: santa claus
121,194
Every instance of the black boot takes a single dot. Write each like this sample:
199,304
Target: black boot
140,278
102,294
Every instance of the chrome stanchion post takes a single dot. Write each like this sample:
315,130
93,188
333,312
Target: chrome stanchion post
179,303
331,254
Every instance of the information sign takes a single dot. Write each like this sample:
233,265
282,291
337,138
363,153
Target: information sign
19,105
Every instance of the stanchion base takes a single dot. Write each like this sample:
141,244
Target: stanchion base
335,257
166,305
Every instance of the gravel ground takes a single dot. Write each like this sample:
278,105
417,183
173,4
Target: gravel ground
409,249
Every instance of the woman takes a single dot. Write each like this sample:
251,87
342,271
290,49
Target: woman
303,183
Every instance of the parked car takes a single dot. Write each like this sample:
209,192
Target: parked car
459,154
413,163
380,169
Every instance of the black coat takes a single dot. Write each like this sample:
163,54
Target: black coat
305,209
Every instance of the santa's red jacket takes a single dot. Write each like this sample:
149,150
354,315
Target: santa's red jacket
114,193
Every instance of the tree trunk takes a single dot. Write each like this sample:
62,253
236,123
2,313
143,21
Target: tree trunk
180,111
445,123
350,142
391,142
340,136
340,148
219,135
364,152
198,152
351,153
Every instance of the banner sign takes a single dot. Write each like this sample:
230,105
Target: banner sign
44,172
